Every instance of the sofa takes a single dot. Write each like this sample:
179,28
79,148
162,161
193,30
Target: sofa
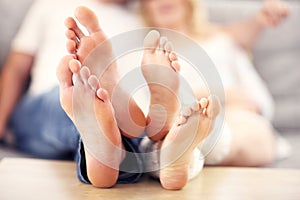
276,57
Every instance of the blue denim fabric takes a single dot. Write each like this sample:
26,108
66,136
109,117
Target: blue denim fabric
42,128
133,163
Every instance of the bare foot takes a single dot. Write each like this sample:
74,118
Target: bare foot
95,51
192,126
85,46
160,67
89,107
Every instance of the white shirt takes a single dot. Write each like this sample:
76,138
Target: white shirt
42,34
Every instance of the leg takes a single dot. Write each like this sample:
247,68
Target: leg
48,132
193,125
89,50
248,130
90,109
160,67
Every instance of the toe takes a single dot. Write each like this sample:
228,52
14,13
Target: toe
175,65
102,94
88,19
173,56
181,120
186,112
94,82
203,103
168,47
71,46
71,24
162,42
70,34
75,66
85,74
63,72
151,41
195,107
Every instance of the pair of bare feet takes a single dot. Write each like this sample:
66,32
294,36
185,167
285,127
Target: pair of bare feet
88,104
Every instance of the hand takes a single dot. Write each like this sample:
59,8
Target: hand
272,13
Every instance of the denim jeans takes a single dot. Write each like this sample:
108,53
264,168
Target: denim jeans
42,128
133,164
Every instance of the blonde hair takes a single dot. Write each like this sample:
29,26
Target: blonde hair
197,18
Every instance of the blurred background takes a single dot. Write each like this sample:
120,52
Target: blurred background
276,57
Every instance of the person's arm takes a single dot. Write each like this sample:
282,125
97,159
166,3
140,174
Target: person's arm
14,77
245,33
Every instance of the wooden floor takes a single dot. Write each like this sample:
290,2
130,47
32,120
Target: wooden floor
22,178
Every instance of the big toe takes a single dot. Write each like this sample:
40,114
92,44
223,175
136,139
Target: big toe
151,41
88,19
